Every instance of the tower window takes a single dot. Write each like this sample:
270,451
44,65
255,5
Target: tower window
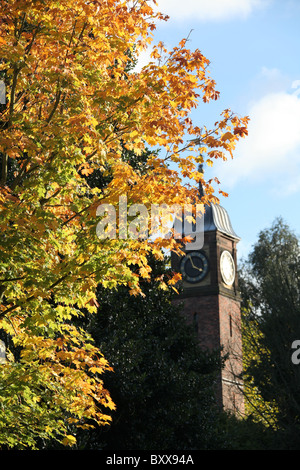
196,322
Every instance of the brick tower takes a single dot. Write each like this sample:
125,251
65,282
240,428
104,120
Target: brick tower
211,300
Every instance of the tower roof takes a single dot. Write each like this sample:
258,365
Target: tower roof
217,218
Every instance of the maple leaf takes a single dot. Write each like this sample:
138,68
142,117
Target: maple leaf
242,131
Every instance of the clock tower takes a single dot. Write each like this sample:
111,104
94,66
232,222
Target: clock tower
211,300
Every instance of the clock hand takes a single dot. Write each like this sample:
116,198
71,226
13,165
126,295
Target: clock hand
195,267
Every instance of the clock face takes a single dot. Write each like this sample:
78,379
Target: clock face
227,268
194,267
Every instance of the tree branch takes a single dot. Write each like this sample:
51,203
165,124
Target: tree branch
4,169
56,103
31,297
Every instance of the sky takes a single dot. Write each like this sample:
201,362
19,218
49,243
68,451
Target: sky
254,50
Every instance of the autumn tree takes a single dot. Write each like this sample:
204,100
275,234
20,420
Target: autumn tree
71,107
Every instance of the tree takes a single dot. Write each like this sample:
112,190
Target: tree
162,382
271,289
71,107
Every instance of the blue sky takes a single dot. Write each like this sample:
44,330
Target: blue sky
254,49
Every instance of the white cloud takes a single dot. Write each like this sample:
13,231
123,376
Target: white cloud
272,148
143,59
209,10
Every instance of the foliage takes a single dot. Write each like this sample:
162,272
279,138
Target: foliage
244,434
162,382
271,325
257,407
71,108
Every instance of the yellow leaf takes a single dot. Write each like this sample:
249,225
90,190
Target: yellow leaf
69,440
226,136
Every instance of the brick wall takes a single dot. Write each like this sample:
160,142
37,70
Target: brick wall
231,340
213,308
216,319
